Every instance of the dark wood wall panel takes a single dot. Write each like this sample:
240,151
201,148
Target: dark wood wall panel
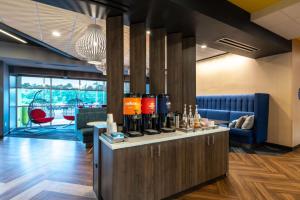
189,71
138,58
114,60
174,68
4,99
157,61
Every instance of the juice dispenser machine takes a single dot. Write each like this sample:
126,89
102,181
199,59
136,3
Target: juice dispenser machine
132,115
150,118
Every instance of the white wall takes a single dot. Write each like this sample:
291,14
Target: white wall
233,74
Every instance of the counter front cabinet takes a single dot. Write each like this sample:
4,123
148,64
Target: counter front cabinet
159,170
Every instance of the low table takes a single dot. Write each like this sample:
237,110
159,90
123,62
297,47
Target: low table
96,123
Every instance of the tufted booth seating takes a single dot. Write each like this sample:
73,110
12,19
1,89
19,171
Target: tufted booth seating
83,116
231,107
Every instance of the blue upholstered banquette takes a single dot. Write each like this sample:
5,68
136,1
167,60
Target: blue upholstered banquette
231,107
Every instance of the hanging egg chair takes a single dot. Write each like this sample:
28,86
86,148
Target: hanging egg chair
69,111
40,110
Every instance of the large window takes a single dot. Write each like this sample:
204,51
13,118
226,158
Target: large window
58,92
127,87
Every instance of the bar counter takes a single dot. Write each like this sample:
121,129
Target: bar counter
158,166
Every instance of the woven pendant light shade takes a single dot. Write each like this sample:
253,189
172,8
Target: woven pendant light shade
92,45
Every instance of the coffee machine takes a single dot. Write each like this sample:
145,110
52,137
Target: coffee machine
166,118
149,116
132,115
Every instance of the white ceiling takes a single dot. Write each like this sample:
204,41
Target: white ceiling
282,18
39,20
207,52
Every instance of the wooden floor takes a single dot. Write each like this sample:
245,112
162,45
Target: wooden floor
253,176
44,169
55,170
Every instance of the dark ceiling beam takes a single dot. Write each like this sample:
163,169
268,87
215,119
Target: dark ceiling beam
37,54
232,15
33,71
34,41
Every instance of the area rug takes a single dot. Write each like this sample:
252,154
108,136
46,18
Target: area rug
57,133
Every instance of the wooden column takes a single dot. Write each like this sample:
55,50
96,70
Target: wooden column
174,68
138,58
189,71
115,65
157,61
4,99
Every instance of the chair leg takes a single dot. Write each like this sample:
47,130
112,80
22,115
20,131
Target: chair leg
90,150
65,126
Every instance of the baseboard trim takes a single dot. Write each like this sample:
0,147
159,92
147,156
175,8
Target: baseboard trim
194,188
279,146
296,147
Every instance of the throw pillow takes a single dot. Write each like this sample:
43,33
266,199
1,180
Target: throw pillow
232,124
240,121
248,123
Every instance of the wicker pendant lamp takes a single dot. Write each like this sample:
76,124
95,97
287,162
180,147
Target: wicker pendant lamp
92,46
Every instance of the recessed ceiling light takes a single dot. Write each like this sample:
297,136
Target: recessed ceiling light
56,34
148,32
12,36
203,46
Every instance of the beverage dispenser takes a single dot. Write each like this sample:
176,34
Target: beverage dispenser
132,115
150,118
166,118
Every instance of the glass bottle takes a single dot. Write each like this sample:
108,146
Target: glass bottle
196,118
190,117
184,116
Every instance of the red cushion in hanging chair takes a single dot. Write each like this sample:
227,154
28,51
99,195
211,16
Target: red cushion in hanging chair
69,117
37,114
43,120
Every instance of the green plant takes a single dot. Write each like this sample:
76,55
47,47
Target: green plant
25,117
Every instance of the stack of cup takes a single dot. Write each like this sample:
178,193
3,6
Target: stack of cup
110,118
111,125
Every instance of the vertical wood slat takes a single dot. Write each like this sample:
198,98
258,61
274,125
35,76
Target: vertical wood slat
189,71
138,58
115,65
174,68
157,61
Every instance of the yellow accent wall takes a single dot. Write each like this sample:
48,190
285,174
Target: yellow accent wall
233,74
253,5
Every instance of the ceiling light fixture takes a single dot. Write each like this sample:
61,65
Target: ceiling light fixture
56,33
12,36
203,46
92,47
